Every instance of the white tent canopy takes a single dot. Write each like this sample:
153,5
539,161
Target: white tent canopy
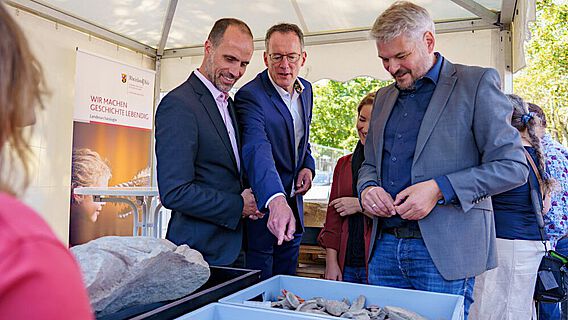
475,31
168,36
143,21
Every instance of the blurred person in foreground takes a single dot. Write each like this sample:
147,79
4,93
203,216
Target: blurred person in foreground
346,233
39,278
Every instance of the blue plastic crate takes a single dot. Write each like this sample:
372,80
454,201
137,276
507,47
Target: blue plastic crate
431,305
218,311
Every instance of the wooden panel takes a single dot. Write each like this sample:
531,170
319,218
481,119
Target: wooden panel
314,214
311,262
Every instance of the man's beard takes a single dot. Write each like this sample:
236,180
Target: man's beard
220,85
419,72
216,78
401,72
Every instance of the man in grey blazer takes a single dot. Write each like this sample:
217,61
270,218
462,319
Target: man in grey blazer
439,145
197,146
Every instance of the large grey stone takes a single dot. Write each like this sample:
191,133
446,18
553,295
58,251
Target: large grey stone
125,271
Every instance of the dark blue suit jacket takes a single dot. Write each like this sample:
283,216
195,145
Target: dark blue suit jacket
198,177
268,141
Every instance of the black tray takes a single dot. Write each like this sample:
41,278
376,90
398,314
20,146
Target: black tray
222,282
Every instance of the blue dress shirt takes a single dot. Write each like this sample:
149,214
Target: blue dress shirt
401,134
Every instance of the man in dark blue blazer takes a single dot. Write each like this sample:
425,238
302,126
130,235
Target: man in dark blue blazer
275,111
197,148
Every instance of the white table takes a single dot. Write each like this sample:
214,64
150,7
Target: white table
143,196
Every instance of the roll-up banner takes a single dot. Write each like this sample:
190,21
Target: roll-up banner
112,132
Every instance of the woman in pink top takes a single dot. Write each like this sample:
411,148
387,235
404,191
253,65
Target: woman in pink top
39,279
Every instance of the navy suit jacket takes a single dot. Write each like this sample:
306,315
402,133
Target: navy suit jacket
268,141
198,177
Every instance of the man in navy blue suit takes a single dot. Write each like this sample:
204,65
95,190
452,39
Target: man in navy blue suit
197,148
275,111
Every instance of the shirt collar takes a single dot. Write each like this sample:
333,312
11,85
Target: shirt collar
433,75
298,87
434,72
216,93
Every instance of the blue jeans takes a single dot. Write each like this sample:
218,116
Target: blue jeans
355,274
406,263
555,311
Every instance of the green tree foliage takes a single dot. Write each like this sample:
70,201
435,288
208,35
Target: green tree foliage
335,110
545,79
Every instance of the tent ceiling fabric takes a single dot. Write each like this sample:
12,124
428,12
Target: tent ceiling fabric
139,20
142,20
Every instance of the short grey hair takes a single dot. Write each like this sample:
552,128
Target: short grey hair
284,28
402,18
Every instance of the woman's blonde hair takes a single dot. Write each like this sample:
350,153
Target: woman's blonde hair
21,88
87,168
368,99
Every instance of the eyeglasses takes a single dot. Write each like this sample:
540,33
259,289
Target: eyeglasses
291,57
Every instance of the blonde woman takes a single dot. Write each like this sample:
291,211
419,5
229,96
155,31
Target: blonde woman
346,233
39,279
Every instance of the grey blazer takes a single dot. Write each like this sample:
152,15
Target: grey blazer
466,135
